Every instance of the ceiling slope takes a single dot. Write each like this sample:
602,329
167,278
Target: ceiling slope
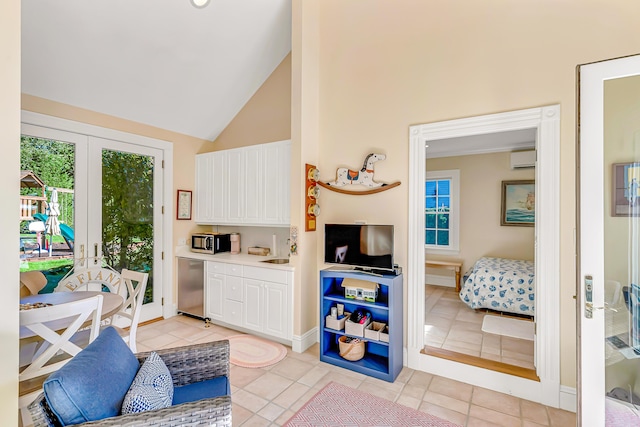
163,63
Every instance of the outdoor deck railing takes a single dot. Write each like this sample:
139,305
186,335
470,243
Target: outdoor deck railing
30,205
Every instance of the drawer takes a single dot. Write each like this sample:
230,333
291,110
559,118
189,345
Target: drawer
233,289
215,267
233,270
266,274
233,312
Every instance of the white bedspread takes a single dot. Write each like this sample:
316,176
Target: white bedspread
501,284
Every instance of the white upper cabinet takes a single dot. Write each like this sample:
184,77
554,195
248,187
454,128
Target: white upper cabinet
248,185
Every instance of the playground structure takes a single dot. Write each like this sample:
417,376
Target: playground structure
34,209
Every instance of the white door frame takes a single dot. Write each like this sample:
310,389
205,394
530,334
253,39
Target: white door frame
546,122
56,124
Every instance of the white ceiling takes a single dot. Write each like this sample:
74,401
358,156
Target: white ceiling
480,144
163,63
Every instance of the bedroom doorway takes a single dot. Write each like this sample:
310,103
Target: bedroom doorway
544,122
482,313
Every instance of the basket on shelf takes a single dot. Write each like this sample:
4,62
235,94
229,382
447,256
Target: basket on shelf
353,350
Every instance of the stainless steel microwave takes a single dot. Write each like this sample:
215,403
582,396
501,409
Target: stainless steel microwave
209,243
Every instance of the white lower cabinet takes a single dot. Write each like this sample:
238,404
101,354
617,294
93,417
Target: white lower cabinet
252,298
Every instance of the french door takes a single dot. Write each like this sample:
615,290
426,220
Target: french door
608,308
117,206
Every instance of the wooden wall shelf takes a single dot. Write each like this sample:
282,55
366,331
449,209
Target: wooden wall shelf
342,190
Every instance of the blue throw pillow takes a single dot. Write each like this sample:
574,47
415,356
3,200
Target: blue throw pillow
152,387
92,385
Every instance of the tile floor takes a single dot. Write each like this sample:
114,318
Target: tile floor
270,396
451,325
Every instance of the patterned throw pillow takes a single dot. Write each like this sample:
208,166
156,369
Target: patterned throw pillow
152,388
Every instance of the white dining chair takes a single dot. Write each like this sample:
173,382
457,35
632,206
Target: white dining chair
54,326
129,316
131,286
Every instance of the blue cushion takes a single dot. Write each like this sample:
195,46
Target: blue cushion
214,387
152,388
92,385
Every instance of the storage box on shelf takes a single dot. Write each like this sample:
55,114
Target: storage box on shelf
383,348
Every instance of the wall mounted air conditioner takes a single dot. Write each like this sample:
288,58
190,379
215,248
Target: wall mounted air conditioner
523,159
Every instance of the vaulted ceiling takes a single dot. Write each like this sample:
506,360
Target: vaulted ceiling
162,63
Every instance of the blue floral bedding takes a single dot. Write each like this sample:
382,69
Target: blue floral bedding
500,284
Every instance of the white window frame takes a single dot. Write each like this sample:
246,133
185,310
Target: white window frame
454,215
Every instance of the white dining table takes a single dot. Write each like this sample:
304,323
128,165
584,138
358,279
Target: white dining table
111,304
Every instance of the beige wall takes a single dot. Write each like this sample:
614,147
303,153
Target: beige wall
384,66
266,117
481,234
9,217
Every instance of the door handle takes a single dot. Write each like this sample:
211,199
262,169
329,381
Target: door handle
95,253
588,296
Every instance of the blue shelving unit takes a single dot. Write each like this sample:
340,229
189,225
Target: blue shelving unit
382,359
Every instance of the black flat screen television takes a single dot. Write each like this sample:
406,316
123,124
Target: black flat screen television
365,247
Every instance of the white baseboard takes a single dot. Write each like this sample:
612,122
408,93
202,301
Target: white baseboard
568,398
434,279
300,344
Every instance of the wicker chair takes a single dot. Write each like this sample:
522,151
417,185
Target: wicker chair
188,365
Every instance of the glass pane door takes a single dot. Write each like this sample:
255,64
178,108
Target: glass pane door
609,268
125,230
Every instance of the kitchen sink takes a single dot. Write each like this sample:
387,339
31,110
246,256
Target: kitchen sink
277,261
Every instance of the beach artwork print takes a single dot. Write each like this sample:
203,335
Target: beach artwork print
518,203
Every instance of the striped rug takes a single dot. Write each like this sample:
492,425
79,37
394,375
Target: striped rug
253,352
339,405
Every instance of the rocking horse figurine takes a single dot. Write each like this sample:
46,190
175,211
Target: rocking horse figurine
364,176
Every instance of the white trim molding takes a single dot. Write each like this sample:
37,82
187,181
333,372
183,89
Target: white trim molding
545,122
300,343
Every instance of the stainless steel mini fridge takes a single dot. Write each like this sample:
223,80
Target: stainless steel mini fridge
191,287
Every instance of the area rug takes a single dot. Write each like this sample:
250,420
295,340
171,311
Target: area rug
339,405
253,352
508,326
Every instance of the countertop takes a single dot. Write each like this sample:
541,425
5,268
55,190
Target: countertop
241,258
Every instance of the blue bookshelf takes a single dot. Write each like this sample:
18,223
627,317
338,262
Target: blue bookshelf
382,359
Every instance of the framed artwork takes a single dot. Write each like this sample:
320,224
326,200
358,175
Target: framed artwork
625,199
518,203
184,204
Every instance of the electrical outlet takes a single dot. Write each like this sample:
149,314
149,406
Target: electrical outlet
182,242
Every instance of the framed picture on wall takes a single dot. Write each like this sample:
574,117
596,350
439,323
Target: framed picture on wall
183,210
518,203
625,199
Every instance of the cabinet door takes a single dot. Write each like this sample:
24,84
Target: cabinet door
218,184
215,296
203,191
275,186
253,304
276,310
253,195
236,178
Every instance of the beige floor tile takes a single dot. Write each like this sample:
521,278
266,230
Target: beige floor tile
271,412
495,417
527,423
560,418
535,412
404,375
239,414
446,402
413,391
445,413
292,368
268,386
496,401
462,347
289,396
451,388
240,376
248,400
256,421
420,379
409,401
466,336
284,417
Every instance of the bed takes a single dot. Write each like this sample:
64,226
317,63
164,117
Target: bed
500,284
